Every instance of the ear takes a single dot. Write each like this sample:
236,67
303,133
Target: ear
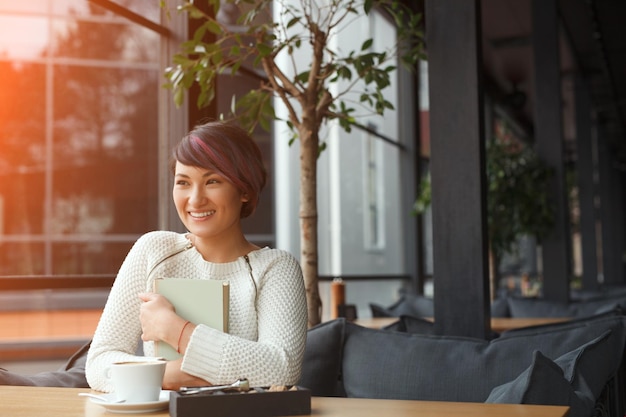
244,197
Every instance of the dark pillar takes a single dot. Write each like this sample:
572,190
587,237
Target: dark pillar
611,214
585,169
461,273
556,253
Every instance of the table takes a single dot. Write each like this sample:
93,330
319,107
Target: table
498,324
65,402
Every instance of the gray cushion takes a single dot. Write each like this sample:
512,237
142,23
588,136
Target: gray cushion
588,367
541,383
383,364
408,305
71,374
528,307
411,324
321,369
500,308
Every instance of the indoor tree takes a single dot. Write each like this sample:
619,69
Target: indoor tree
320,91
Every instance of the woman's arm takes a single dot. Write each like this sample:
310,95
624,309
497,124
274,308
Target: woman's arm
275,357
159,322
118,333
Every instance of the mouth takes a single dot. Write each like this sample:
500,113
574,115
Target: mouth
201,214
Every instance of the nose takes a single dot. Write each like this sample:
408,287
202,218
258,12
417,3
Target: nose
197,196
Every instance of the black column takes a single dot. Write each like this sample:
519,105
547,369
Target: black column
585,170
461,283
611,213
556,253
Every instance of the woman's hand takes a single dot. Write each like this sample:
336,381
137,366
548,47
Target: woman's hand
158,319
175,378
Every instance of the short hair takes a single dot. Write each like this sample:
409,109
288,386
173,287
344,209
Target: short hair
228,150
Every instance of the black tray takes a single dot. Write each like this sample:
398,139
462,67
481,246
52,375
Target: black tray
258,402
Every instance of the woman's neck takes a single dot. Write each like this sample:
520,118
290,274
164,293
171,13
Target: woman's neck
221,251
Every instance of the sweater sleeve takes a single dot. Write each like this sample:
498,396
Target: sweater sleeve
118,332
275,358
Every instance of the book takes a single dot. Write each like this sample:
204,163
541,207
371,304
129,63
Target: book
201,301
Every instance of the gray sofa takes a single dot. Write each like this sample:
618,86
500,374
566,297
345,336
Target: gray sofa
581,306
537,307
575,363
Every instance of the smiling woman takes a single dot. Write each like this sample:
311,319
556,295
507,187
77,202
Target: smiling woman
219,175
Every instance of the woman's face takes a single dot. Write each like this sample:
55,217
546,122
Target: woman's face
207,203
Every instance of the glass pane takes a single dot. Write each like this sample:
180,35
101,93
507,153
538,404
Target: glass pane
149,9
30,6
113,40
77,8
21,258
23,37
78,144
88,257
105,152
22,145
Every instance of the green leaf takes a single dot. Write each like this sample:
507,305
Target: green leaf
264,50
367,44
367,6
213,27
235,50
303,77
179,96
321,148
292,22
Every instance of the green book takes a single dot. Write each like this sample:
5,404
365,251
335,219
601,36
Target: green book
201,301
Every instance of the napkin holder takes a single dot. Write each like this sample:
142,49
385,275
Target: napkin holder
257,402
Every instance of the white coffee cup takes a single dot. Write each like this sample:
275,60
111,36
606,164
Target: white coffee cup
137,381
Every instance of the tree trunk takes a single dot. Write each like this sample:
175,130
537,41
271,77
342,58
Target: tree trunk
309,144
494,274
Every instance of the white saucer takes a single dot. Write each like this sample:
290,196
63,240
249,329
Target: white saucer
134,408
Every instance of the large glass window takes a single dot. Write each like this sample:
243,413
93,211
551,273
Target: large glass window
79,91
78,144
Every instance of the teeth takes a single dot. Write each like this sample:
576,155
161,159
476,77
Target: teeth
203,214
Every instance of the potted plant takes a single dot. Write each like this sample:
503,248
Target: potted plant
517,198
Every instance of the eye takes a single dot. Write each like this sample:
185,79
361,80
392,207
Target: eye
182,182
212,181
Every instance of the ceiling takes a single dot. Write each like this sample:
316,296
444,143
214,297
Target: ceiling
593,44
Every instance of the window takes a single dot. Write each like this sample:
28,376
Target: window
78,106
78,162
373,193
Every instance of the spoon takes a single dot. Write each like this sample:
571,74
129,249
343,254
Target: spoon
100,397
241,385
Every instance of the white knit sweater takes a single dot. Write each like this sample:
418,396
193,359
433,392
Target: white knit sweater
265,342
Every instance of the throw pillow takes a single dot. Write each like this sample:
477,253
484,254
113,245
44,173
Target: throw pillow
542,383
321,368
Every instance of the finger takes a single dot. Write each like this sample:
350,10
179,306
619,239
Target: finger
146,296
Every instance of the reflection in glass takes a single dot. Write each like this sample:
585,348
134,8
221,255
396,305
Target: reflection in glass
147,8
22,258
105,39
88,257
30,6
23,37
78,144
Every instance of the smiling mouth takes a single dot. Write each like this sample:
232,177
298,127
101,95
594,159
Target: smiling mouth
199,215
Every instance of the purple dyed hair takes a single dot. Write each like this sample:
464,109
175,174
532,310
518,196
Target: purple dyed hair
229,151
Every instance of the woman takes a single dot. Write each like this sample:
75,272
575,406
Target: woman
219,175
